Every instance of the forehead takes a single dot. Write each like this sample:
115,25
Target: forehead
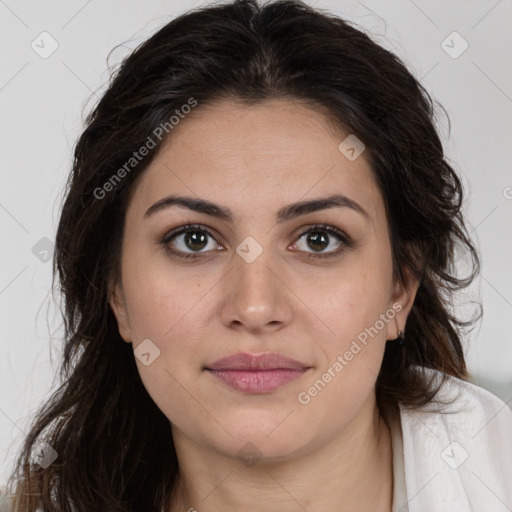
274,153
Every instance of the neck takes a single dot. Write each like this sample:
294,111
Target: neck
353,471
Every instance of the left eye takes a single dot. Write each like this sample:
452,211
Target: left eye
190,240
320,239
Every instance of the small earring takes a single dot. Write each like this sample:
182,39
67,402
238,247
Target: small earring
401,338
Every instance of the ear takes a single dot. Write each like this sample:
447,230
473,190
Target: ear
117,302
402,300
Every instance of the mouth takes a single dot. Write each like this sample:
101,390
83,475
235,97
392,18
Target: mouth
255,374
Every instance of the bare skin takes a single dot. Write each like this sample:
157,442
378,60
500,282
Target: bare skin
327,450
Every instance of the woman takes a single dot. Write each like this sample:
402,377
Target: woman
257,253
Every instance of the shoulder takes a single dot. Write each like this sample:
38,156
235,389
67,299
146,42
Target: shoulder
459,448
463,406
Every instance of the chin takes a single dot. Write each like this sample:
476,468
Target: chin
269,439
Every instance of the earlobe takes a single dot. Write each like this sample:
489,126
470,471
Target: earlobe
118,305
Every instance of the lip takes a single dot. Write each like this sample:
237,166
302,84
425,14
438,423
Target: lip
256,373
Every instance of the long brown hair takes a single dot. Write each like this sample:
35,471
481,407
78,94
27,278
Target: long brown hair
115,449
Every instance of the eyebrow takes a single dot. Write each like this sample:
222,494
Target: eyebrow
286,213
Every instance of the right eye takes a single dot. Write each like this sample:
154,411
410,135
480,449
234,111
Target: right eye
189,241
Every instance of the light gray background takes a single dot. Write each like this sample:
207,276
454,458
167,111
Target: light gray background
41,103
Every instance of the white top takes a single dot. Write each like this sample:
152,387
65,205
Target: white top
459,460
456,461
399,489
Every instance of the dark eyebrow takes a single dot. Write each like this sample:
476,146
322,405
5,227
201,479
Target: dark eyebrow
286,213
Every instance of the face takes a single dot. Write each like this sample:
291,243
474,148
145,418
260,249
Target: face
312,283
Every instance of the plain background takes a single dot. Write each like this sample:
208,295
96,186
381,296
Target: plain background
42,100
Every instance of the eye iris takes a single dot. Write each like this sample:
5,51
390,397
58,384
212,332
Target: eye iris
195,238
319,239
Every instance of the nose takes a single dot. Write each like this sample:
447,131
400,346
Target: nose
256,297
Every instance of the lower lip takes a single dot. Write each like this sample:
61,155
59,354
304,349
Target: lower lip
252,381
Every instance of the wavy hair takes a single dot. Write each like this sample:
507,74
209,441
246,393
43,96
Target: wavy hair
115,448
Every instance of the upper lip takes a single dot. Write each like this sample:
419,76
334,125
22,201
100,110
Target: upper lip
266,361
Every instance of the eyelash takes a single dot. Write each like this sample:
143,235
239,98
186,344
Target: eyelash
344,240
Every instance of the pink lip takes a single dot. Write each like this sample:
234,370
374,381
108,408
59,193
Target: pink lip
256,373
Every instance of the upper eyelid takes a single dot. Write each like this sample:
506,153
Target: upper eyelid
189,227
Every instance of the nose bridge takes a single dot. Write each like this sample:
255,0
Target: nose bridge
255,297
253,278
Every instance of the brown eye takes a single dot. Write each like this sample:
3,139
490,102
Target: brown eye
189,241
320,238
317,240
195,240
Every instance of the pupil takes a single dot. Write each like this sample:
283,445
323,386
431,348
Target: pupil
195,237
318,238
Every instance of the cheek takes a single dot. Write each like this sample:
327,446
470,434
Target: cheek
166,308
161,299
167,314
357,315
172,392
351,306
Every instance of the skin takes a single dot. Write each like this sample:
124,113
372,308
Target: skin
334,453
